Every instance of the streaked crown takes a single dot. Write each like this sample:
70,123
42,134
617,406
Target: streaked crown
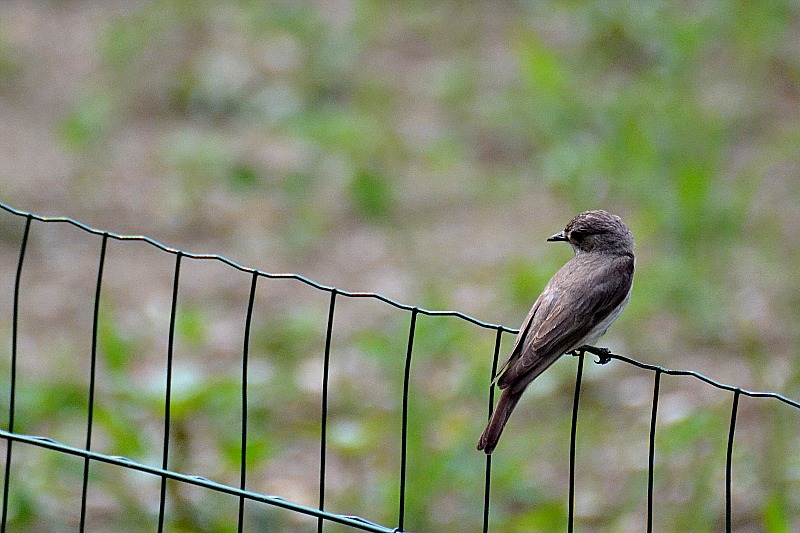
599,231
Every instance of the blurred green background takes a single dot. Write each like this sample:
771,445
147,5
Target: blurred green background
423,151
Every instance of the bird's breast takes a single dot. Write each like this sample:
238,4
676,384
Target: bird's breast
602,326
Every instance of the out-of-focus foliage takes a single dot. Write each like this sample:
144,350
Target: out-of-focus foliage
424,151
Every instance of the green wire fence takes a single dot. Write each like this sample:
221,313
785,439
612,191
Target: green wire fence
161,469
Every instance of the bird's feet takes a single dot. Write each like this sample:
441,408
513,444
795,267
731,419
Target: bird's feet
603,354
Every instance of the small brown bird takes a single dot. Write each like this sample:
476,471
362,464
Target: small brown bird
576,308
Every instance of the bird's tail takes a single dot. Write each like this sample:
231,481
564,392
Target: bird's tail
508,400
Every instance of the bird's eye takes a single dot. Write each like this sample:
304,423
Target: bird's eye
576,235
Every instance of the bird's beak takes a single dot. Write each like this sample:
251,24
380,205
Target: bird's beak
557,237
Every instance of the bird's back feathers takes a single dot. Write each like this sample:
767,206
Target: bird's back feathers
563,319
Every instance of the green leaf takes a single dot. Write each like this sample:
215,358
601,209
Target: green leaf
86,123
775,519
244,177
115,346
371,194
192,325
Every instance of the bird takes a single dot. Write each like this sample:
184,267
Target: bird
576,307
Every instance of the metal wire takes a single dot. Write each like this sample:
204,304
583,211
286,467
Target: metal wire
199,481
487,483
244,495
92,379
404,429
729,460
652,454
273,275
324,422
245,359
572,444
12,391
168,398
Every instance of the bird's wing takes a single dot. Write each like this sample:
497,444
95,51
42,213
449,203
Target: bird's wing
568,317
516,350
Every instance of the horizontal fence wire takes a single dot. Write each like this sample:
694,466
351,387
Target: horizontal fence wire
164,473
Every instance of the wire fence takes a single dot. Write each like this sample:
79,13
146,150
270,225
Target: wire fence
162,469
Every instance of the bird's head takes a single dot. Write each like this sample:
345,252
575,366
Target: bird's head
597,231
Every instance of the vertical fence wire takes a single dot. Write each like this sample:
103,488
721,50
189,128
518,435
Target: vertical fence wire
92,377
12,390
487,483
245,363
323,445
572,444
652,453
404,436
168,391
729,460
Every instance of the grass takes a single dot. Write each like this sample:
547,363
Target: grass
426,152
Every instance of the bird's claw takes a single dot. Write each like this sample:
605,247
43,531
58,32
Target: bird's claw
603,359
603,354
